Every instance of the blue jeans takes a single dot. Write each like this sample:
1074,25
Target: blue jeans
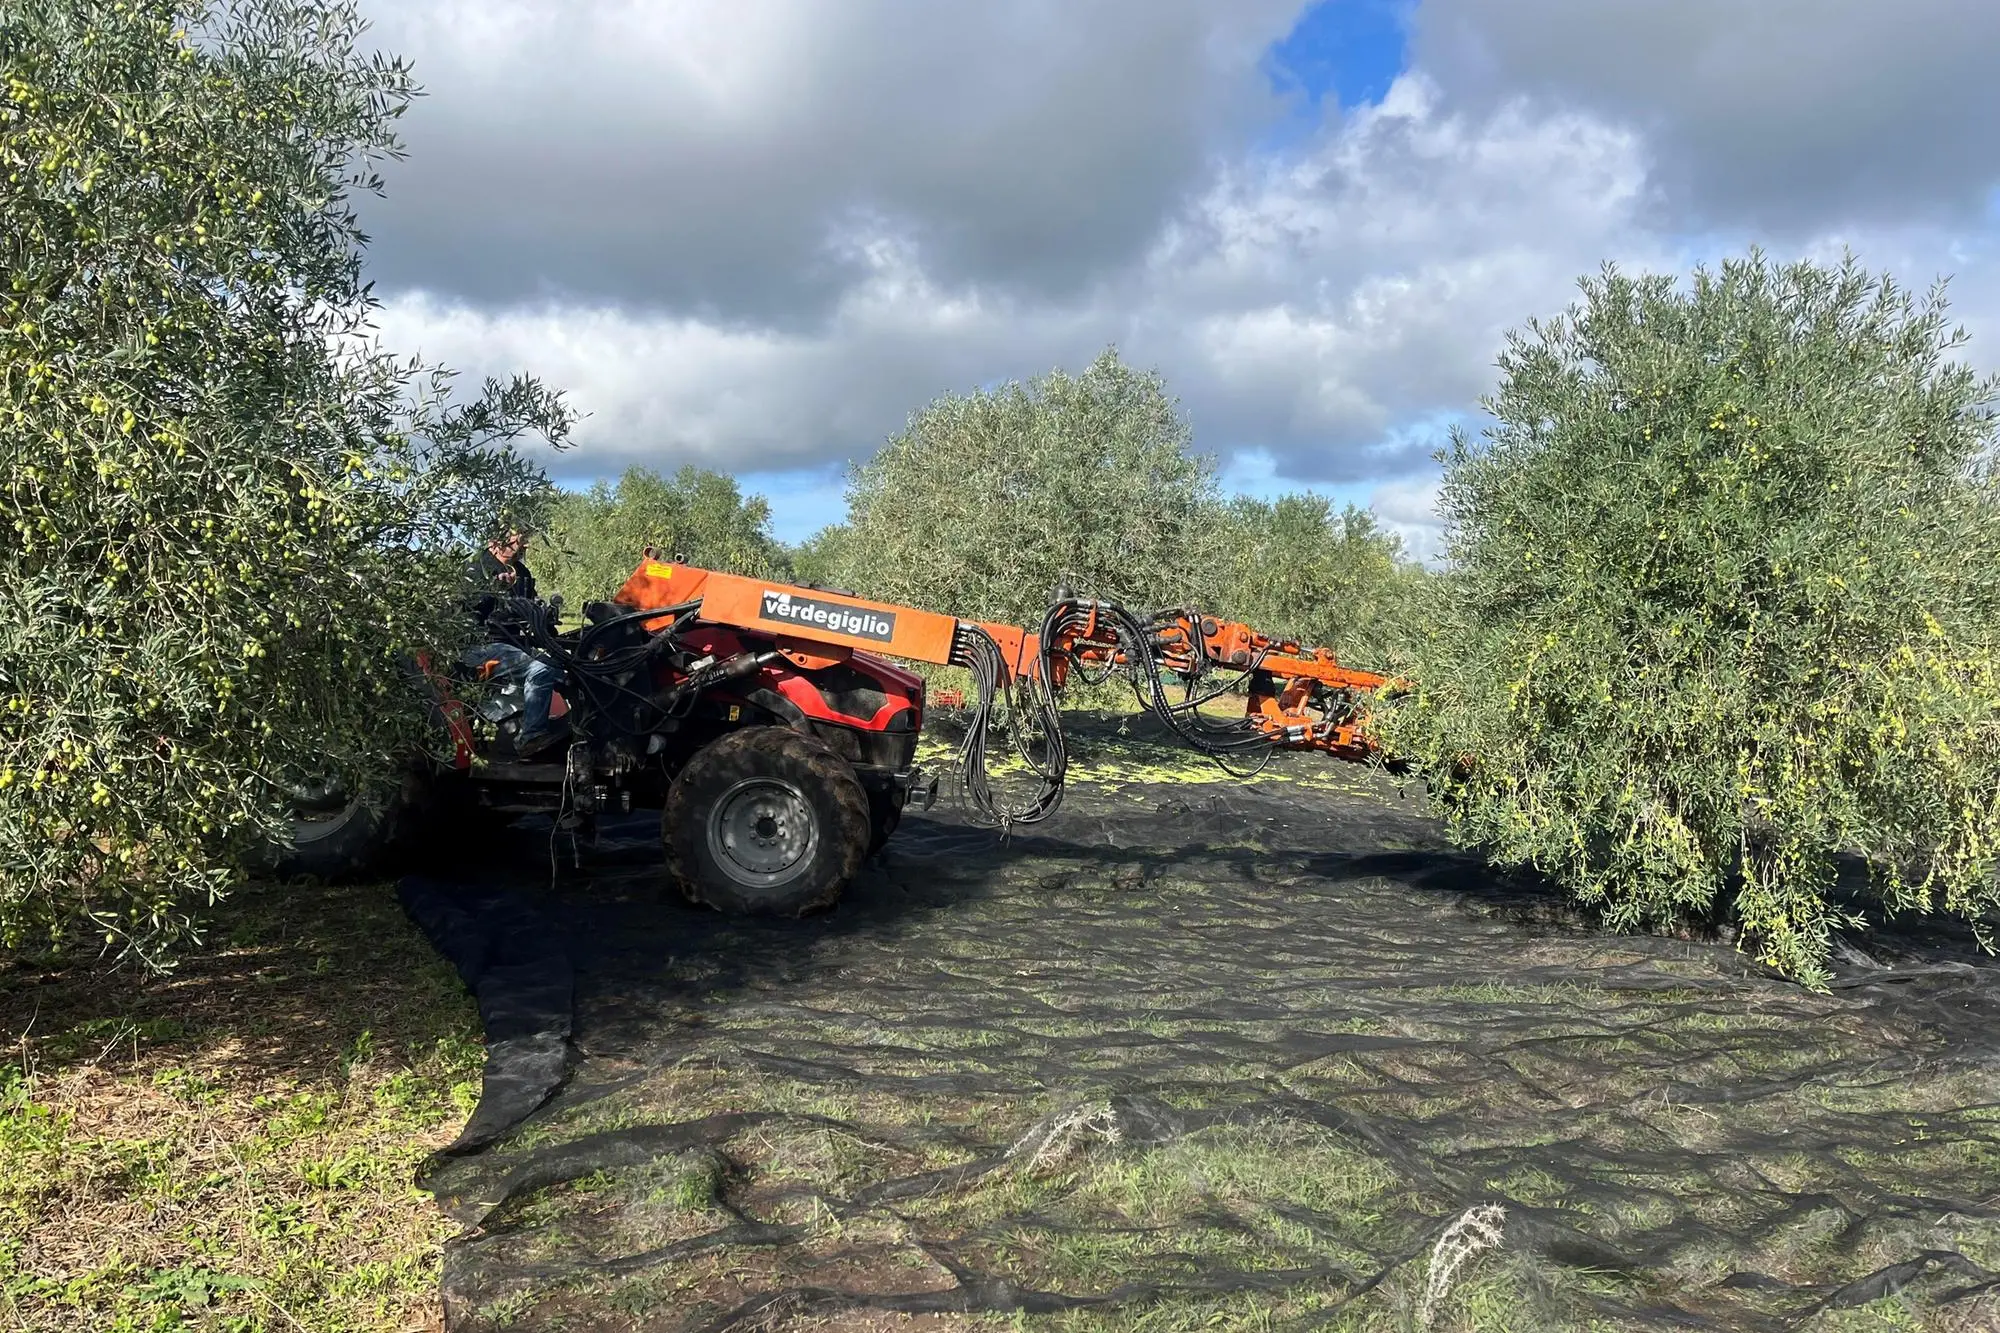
537,679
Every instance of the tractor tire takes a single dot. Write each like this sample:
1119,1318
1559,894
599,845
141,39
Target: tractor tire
337,843
884,816
424,821
765,821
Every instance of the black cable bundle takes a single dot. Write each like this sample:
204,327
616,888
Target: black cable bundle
594,677
1219,741
973,648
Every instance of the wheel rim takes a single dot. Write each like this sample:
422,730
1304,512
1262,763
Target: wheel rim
312,827
763,832
320,807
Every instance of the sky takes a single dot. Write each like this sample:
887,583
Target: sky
758,236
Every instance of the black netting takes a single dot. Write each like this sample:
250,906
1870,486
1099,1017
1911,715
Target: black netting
1222,1055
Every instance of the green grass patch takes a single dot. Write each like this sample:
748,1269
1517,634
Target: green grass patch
231,1146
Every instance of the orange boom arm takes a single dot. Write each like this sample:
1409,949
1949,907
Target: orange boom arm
1297,697
815,622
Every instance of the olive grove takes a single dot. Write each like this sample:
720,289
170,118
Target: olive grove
232,519
985,502
1297,567
591,540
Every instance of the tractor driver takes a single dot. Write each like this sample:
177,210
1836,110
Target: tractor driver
502,572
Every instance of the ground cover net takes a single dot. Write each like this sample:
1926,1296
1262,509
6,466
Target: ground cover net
1207,1054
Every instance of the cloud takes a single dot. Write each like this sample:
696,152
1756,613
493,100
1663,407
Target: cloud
1320,308
1328,302
1791,116
1409,509
757,237
717,158
664,390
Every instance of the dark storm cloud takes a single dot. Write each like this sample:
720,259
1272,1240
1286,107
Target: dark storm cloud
722,160
1795,115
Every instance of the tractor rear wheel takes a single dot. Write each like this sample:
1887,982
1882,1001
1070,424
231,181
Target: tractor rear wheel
765,821
339,834
340,844
423,819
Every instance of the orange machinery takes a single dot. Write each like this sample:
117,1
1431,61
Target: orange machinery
1295,697
814,630
821,626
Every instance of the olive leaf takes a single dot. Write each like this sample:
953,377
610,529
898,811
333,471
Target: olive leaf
231,519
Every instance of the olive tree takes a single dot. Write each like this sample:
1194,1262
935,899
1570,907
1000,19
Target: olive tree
987,501
1721,608
231,518
1297,567
822,559
592,540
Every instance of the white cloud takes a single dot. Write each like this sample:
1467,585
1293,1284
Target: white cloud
1327,310
666,390
1316,304
1308,308
1409,509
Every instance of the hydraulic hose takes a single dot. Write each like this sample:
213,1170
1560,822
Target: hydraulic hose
597,677
1137,643
974,649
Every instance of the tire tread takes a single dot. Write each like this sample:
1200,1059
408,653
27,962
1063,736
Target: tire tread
765,750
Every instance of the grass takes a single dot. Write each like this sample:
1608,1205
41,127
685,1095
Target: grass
231,1146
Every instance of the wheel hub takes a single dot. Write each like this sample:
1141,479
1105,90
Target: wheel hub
763,831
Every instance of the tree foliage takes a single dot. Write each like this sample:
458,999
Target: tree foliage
822,560
230,515
592,539
987,501
1297,568
1722,607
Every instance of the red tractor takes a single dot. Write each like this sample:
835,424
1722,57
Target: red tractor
765,723
776,770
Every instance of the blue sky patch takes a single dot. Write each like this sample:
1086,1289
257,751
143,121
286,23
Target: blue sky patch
1344,51
802,502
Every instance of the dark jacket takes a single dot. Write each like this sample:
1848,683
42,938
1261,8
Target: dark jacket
491,590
